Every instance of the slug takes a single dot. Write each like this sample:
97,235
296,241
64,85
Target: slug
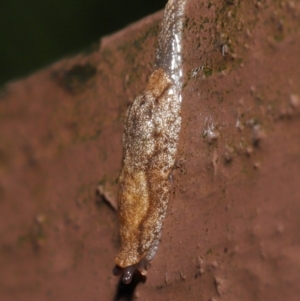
150,140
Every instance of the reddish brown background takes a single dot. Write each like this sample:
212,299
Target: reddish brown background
232,229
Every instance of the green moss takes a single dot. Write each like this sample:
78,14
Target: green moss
279,37
134,52
221,68
207,71
22,239
150,32
132,48
209,252
230,2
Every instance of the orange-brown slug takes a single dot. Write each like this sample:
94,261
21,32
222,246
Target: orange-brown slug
150,142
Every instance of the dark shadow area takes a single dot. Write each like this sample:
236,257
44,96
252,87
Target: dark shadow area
125,292
36,33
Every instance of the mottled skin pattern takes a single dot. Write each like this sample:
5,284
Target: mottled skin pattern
150,142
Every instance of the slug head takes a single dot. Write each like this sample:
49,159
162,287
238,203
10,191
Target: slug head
128,272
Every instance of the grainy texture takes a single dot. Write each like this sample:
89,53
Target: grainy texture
150,142
232,227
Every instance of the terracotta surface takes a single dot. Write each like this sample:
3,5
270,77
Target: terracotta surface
232,229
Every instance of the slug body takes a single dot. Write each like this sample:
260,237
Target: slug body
150,142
